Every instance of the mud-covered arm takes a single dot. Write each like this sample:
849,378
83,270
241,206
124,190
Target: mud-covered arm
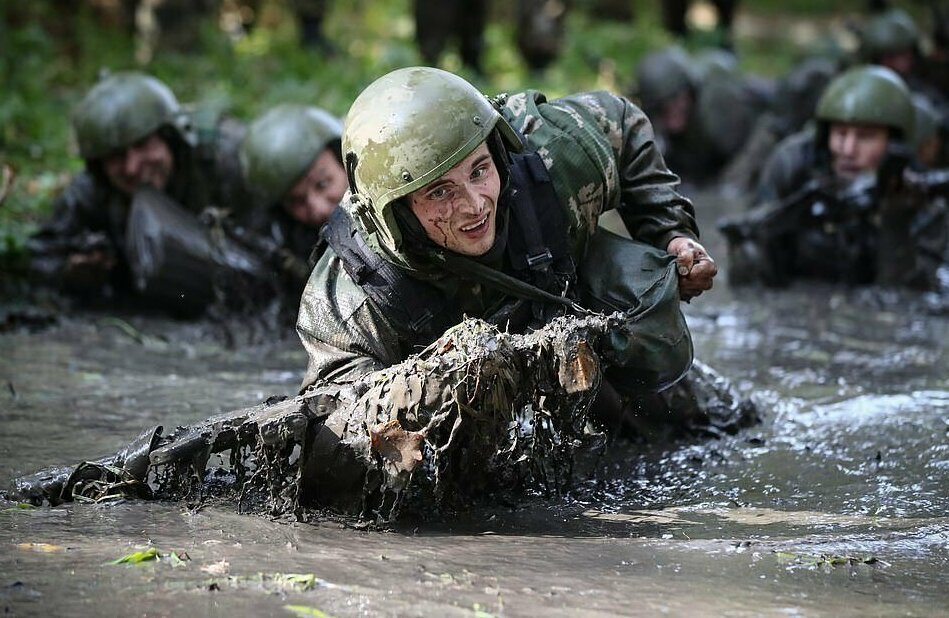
73,244
344,333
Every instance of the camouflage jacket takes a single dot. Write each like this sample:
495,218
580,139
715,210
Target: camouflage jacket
90,214
600,152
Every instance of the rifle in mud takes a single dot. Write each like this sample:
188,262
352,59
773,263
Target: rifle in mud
280,258
820,200
479,412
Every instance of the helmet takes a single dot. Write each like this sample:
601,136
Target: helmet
405,130
281,145
661,75
121,109
871,94
713,62
888,32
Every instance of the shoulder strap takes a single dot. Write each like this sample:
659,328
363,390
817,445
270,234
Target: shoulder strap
416,308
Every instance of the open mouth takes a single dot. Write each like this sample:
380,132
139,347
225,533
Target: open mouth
476,226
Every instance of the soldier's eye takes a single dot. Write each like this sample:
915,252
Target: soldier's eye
438,193
479,172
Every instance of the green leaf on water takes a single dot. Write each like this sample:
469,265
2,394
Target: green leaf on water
306,611
300,581
178,560
25,505
137,557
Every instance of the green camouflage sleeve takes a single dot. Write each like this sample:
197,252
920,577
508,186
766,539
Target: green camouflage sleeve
601,153
344,333
649,202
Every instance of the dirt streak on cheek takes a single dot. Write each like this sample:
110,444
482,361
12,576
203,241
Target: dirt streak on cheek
440,220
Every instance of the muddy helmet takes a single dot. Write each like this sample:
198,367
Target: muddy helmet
281,144
888,32
121,109
405,130
661,75
868,94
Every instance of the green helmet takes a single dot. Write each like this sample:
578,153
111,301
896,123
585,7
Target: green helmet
661,75
888,32
870,94
405,130
121,109
281,145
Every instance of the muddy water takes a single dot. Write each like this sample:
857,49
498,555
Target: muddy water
836,505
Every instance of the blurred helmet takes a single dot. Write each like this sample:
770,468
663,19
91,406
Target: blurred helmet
888,32
405,130
661,75
121,109
868,94
281,145
712,62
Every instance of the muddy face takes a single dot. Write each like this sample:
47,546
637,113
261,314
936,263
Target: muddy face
147,162
458,210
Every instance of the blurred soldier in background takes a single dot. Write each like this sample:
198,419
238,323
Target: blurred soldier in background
291,160
129,221
438,22
702,109
842,200
792,106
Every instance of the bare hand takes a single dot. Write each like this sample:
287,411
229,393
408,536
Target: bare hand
90,268
696,267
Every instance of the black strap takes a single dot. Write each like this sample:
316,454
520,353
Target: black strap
414,306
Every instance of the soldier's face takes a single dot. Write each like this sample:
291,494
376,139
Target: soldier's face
458,210
146,162
856,149
900,61
313,198
674,117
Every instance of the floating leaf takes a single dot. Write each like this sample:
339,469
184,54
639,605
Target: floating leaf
305,610
178,560
137,557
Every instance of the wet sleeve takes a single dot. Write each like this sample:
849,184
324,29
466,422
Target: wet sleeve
650,205
71,227
344,333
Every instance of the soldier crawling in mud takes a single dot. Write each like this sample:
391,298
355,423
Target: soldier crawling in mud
701,108
467,318
292,165
460,205
845,201
128,222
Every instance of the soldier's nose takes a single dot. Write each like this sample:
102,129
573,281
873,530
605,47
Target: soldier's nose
133,161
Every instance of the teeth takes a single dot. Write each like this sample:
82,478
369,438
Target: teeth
468,228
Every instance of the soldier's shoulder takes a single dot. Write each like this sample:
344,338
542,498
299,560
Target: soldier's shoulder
331,295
